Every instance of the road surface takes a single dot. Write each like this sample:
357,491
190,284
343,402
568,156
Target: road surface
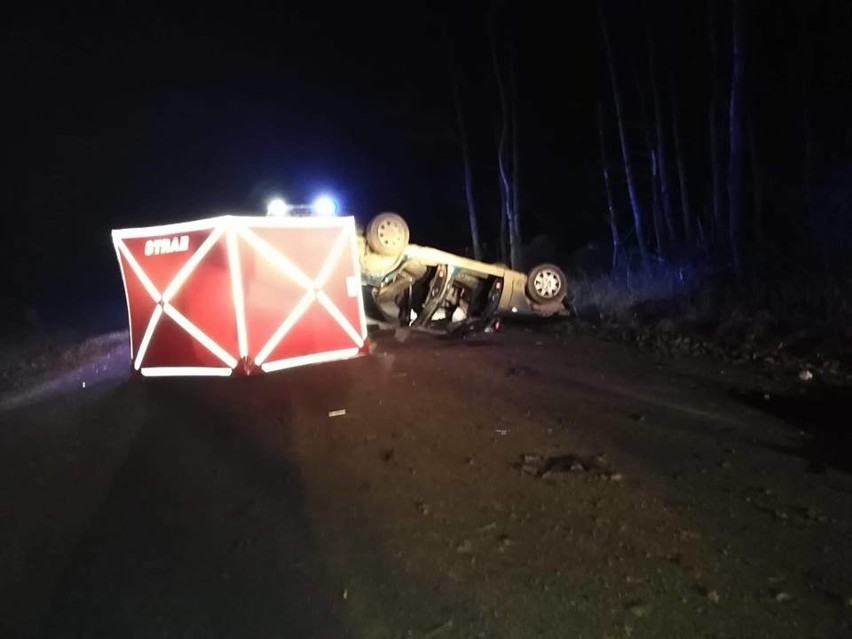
525,485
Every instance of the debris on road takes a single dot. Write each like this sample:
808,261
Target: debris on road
437,630
543,467
806,375
337,413
464,547
782,596
640,609
489,526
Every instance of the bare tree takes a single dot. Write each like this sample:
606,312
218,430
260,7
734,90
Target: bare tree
516,204
713,120
656,218
610,205
662,167
807,117
635,203
468,174
735,156
502,163
756,179
681,170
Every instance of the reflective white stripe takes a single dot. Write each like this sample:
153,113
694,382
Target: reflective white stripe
316,358
356,268
115,242
331,260
276,259
169,229
149,333
186,371
187,269
240,221
237,291
199,335
294,316
340,318
143,277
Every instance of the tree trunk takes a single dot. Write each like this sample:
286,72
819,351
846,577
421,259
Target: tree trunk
516,216
468,174
610,206
504,232
681,172
756,180
735,157
635,203
503,174
718,230
652,160
662,168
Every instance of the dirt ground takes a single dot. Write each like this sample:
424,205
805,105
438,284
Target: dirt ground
520,485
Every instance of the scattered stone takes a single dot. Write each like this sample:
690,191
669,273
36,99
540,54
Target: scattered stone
489,526
547,467
464,547
782,596
616,477
849,602
503,541
438,630
713,596
531,469
806,375
423,507
640,609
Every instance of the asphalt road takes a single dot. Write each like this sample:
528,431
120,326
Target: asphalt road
524,485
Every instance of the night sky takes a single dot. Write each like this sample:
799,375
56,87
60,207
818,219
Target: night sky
119,116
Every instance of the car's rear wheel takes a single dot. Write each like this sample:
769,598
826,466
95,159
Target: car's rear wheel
387,234
547,284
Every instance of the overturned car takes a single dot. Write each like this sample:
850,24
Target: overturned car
407,285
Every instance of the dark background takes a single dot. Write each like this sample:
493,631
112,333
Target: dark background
118,115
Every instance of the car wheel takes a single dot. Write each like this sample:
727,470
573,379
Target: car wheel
387,234
547,284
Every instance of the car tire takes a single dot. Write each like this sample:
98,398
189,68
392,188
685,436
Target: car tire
547,284
387,234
